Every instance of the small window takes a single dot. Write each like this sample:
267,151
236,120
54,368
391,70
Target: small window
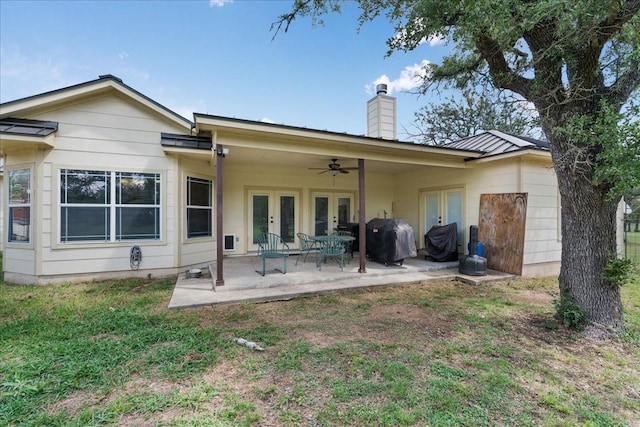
19,203
199,207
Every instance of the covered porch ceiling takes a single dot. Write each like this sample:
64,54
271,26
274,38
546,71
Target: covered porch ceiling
278,159
268,145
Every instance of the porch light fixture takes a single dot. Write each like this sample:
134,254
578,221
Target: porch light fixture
221,151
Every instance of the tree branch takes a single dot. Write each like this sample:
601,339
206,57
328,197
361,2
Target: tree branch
627,83
299,7
503,76
612,24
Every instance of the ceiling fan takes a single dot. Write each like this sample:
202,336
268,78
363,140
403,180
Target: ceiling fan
334,168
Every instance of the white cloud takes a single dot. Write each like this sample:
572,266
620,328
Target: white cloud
123,55
24,75
267,120
187,110
218,3
434,40
410,78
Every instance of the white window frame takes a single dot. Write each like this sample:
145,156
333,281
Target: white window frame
14,204
189,205
114,205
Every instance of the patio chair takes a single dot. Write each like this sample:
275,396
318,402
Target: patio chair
331,247
307,245
271,246
348,246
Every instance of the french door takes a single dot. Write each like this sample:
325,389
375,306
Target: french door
273,211
441,207
331,210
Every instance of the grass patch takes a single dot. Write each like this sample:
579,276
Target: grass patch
632,246
438,354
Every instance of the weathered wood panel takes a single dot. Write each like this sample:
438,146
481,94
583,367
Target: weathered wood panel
501,228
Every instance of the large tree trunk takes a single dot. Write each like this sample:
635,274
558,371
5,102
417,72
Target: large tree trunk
588,238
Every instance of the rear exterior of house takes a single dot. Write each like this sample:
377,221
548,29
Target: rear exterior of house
80,198
97,171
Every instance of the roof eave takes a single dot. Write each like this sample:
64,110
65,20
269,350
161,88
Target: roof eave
190,153
233,125
525,152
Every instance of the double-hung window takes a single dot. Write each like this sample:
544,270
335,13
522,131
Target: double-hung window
109,206
19,202
199,207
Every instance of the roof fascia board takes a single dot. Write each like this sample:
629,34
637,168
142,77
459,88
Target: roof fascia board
518,153
99,86
342,150
283,132
512,139
189,153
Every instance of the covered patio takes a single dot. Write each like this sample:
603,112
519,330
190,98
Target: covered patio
244,284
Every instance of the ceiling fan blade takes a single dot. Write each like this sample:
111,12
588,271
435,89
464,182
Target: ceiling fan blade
324,171
350,169
344,170
318,169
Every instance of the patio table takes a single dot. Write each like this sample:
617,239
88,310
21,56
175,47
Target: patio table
345,239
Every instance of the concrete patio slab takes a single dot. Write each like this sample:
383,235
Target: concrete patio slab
244,284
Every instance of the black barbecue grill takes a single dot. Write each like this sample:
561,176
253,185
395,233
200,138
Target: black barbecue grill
390,241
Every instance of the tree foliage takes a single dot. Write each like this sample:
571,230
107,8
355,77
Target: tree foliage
578,63
472,113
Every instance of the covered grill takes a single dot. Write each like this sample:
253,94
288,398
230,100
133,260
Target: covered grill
390,241
441,242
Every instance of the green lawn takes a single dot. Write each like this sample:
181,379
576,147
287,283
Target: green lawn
437,354
632,246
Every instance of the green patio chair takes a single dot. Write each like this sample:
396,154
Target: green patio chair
307,245
348,246
271,246
331,247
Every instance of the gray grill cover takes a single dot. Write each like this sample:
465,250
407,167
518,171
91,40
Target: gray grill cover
390,240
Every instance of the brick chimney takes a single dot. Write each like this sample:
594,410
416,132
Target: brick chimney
381,114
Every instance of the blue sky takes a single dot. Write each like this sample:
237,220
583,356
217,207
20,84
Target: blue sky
212,56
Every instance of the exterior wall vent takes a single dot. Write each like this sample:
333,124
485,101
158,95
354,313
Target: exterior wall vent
229,242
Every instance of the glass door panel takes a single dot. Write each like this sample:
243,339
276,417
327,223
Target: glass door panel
344,211
272,212
441,208
321,215
330,211
453,200
260,216
287,214
432,211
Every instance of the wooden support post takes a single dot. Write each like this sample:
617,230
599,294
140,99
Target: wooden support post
219,216
362,228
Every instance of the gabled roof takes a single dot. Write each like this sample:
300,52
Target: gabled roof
494,143
105,83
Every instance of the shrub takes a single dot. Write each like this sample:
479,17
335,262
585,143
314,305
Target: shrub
569,312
